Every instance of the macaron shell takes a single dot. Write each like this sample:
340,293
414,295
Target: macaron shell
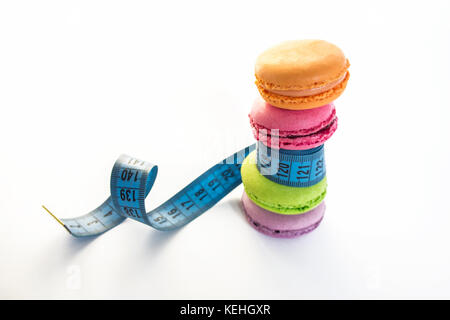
300,65
276,197
279,225
302,103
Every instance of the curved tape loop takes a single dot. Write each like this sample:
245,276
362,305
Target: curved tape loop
132,180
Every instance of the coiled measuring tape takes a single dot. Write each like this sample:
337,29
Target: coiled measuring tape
132,180
295,168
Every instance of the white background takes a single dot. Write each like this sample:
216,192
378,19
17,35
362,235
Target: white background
83,81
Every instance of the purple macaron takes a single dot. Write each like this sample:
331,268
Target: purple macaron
280,225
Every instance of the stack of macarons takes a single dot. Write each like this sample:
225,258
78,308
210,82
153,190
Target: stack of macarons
285,177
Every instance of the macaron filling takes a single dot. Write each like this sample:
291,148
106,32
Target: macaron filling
324,129
307,92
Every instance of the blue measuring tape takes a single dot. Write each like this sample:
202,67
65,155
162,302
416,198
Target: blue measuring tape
132,180
295,168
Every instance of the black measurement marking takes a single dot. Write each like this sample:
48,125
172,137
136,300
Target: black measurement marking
172,213
132,212
212,182
319,167
127,194
304,172
127,174
108,214
283,170
160,219
134,161
228,173
185,203
199,194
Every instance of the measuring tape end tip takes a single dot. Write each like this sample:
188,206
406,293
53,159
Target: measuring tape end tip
59,221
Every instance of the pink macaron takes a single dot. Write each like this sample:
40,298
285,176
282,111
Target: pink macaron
292,129
281,225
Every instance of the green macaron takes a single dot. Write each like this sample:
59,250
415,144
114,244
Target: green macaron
276,197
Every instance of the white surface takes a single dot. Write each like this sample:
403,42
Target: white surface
84,81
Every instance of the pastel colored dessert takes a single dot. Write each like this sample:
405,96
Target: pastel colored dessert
280,225
277,197
301,74
297,129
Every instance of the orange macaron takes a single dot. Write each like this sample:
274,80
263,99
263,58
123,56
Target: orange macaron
301,74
